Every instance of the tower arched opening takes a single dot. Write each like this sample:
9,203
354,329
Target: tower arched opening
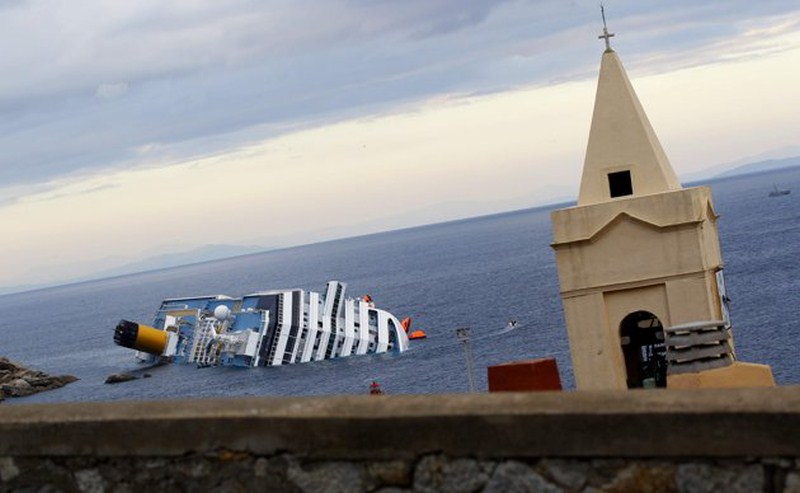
642,339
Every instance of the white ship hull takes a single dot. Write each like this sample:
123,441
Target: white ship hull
270,328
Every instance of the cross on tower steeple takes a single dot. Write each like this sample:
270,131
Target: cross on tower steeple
606,35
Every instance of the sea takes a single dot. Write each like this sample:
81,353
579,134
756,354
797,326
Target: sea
476,273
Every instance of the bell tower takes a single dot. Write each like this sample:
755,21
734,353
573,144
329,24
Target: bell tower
639,261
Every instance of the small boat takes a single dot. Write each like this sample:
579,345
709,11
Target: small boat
777,192
268,328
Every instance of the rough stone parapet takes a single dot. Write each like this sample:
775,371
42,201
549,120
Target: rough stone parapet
648,440
232,472
687,423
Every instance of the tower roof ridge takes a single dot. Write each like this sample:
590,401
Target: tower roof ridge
624,156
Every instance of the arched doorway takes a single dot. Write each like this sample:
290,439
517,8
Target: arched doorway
642,338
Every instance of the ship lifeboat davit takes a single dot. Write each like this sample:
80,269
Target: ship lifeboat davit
417,334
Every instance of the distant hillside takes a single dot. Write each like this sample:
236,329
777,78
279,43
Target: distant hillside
202,254
767,165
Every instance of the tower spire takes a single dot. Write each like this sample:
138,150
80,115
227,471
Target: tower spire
606,35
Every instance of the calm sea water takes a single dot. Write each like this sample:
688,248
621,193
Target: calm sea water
476,273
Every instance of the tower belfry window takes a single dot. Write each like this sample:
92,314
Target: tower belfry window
620,184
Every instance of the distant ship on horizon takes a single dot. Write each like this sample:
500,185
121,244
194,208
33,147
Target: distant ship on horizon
269,328
777,192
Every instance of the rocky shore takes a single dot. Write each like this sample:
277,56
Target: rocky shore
18,381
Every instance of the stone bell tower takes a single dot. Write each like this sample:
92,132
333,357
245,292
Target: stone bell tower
639,261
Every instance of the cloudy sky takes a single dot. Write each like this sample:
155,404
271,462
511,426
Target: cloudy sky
133,128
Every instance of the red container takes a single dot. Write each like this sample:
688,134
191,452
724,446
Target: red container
527,375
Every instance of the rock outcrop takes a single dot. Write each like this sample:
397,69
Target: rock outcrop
18,381
120,377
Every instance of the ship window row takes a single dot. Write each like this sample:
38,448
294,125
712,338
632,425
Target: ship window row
275,339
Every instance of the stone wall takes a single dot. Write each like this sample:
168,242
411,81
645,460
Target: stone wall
736,440
232,471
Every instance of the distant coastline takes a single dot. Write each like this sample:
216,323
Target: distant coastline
213,253
762,166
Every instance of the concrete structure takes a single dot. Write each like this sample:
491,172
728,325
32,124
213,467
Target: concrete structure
706,440
639,260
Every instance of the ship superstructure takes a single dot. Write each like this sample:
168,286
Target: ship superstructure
268,328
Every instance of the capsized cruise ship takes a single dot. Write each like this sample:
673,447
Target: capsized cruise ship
269,328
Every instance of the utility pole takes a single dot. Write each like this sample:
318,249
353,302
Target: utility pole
464,335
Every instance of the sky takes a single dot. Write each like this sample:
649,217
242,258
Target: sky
130,129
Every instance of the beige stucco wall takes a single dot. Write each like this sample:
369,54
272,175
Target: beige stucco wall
629,252
621,138
736,375
657,253
596,354
594,319
620,304
710,236
693,298
655,249
661,209
637,239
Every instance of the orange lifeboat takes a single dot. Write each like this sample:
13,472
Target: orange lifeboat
417,334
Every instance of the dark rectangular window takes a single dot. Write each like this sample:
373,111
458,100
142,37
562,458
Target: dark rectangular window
619,183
